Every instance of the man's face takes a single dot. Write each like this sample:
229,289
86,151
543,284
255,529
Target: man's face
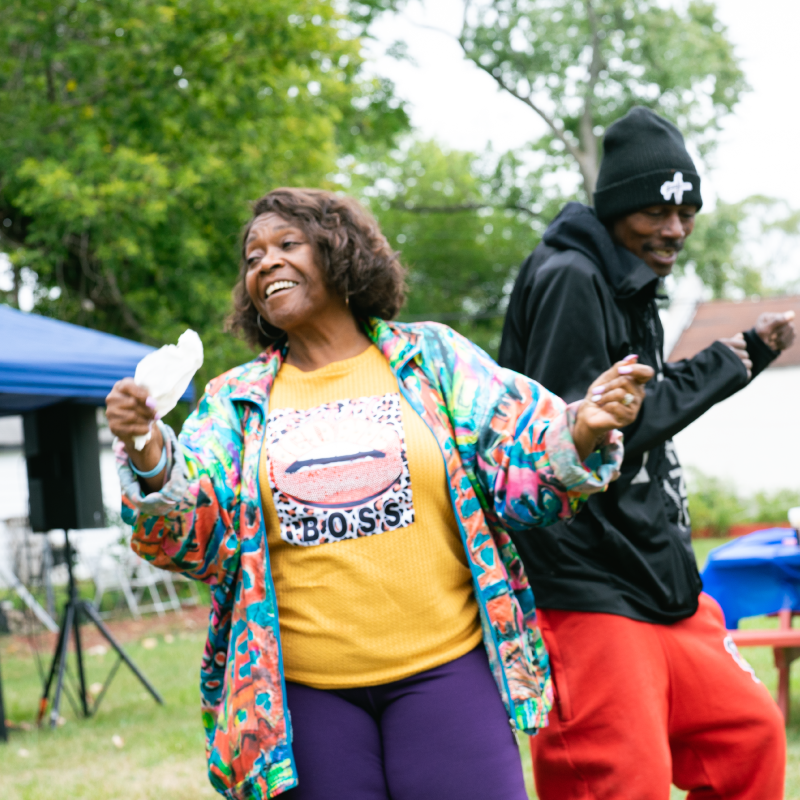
656,234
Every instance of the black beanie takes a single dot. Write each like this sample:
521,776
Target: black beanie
645,163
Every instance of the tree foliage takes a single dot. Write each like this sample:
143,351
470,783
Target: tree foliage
721,247
581,64
463,224
135,133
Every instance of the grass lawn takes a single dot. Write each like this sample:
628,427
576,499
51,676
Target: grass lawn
161,757
162,754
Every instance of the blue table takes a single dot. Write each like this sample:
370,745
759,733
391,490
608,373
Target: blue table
756,574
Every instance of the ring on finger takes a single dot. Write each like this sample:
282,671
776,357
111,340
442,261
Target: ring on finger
628,399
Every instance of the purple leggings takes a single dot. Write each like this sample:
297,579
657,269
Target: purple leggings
441,734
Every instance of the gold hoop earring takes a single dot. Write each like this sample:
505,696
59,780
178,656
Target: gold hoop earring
277,332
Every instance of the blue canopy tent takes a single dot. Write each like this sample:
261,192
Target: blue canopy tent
45,361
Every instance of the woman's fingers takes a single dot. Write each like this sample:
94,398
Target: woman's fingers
128,411
628,382
621,374
613,401
640,373
616,396
627,395
611,374
128,389
628,366
601,419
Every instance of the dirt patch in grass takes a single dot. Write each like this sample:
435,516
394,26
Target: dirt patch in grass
193,618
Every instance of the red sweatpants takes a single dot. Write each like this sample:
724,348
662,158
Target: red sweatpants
640,706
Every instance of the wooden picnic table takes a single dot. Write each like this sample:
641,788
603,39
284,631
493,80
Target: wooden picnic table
755,575
785,643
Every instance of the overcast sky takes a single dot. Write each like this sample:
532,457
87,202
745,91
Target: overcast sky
455,102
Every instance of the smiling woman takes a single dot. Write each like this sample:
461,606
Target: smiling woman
348,495
314,250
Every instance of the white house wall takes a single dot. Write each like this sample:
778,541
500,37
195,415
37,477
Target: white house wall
751,439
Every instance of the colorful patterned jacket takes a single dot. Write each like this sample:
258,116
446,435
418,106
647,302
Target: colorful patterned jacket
511,464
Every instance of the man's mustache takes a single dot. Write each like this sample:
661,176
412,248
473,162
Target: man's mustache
670,244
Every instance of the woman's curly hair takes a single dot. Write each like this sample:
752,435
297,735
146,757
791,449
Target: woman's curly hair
354,256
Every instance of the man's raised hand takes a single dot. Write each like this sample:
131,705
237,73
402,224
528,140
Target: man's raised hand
776,330
739,347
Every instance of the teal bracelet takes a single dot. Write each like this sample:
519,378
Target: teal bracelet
162,462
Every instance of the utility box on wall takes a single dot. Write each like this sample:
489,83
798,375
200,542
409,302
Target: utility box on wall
63,460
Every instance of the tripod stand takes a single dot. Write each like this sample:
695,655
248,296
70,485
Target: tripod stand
70,625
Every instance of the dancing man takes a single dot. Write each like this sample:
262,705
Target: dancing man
649,689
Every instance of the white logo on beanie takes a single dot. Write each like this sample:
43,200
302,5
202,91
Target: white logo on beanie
675,188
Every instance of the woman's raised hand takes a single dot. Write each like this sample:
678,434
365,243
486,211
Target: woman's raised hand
131,412
613,401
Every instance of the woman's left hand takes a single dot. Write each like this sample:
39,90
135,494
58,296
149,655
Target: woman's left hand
613,401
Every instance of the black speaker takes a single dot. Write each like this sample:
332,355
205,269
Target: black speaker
63,459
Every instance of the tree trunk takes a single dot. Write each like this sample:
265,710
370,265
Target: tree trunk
588,161
16,279
588,167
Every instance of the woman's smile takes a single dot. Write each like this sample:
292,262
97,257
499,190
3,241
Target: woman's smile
278,286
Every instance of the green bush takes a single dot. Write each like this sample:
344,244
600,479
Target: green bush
774,507
715,505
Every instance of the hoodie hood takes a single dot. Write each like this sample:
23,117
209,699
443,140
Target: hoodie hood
577,228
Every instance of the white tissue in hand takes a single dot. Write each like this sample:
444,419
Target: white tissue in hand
167,372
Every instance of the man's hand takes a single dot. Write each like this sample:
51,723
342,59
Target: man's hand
776,330
613,401
739,346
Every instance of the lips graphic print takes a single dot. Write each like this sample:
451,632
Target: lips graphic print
339,471
340,463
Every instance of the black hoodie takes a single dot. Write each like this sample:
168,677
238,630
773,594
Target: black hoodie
580,303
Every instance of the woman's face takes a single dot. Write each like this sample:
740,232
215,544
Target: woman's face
283,277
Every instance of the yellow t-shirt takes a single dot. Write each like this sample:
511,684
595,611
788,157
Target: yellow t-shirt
370,573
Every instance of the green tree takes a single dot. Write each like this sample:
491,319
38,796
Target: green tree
463,224
581,64
134,134
720,248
